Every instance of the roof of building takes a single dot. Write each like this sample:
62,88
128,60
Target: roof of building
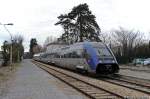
56,43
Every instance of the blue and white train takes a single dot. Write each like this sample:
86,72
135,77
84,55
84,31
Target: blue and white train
92,57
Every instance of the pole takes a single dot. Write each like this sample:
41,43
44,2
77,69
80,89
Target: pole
11,54
10,46
18,56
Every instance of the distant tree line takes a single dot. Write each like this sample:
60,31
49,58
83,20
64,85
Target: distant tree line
17,50
127,44
33,43
34,47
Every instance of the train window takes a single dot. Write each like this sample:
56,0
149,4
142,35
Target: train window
103,51
86,55
67,55
62,56
74,54
55,55
44,56
51,56
79,53
48,55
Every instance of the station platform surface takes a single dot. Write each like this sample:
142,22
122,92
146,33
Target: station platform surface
31,82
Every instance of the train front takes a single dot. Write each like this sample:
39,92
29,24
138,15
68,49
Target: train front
107,63
100,58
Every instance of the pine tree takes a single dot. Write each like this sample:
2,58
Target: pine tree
79,24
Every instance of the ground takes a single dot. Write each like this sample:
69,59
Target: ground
138,74
27,81
6,75
31,82
135,71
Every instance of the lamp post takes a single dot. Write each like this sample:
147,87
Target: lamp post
11,40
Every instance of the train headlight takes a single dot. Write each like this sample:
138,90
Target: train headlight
100,61
113,61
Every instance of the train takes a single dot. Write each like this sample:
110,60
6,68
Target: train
90,57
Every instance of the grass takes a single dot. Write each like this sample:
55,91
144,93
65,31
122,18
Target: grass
6,76
7,71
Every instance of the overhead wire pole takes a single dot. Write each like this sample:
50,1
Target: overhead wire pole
11,40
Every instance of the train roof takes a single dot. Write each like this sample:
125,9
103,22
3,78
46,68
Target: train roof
86,42
80,45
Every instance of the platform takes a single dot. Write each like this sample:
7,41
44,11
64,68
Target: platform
31,82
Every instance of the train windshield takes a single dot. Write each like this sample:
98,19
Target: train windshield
103,51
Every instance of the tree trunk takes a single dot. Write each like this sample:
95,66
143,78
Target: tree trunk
81,34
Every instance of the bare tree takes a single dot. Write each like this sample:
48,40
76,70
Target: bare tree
49,39
18,38
37,49
107,38
127,41
18,48
104,37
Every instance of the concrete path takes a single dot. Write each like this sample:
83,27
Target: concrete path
30,82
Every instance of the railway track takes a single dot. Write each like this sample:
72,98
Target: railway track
137,81
130,82
89,89
131,78
132,69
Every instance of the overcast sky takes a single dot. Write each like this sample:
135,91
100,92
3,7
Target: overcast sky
36,18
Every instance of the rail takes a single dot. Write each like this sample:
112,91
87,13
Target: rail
86,88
